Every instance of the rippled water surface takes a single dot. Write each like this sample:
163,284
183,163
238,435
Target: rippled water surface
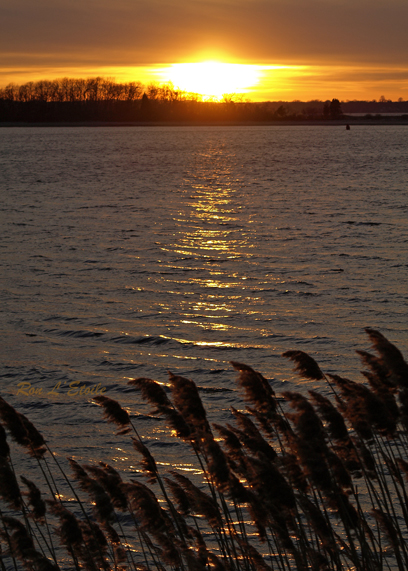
129,252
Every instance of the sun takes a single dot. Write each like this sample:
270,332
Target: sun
213,78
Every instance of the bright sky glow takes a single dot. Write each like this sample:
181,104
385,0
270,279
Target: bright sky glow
212,78
352,50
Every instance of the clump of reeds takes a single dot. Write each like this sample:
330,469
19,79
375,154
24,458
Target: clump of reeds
293,482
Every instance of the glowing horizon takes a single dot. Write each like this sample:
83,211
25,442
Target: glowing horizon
256,82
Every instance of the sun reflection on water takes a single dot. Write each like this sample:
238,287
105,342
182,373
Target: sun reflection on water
209,233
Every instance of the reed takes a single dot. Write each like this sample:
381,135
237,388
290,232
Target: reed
293,483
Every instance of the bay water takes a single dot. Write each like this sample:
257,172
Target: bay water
133,251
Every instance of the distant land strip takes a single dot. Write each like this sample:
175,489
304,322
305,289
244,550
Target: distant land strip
103,101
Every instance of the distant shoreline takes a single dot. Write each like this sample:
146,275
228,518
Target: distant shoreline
386,121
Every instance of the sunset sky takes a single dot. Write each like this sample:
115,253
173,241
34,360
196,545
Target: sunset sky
302,49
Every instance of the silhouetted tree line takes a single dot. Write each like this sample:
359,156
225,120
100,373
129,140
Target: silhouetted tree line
73,99
83,90
105,100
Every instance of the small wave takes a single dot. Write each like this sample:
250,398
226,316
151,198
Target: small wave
81,333
214,389
208,344
276,335
147,417
61,318
117,366
184,259
369,223
39,404
315,339
164,444
308,294
362,223
298,293
131,340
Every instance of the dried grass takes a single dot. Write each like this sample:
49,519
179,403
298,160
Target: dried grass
299,483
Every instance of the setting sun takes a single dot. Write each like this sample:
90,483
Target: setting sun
212,78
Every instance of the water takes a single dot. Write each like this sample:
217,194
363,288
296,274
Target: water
129,252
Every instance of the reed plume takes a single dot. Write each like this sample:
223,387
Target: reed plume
112,482
9,489
4,447
180,496
305,365
148,463
201,503
390,357
103,508
250,437
113,411
257,389
22,430
22,546
35,499
69,530
154,393
188,402
217,464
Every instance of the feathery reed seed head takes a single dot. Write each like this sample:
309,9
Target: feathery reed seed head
4,447
335,423
22,430
305,365
35,499
148,462
154,393
308,424
9,489
257,389
151,391
188,402
113,411
69,531
391,358
201,503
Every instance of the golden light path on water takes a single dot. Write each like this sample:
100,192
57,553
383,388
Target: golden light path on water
207,232
209,236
